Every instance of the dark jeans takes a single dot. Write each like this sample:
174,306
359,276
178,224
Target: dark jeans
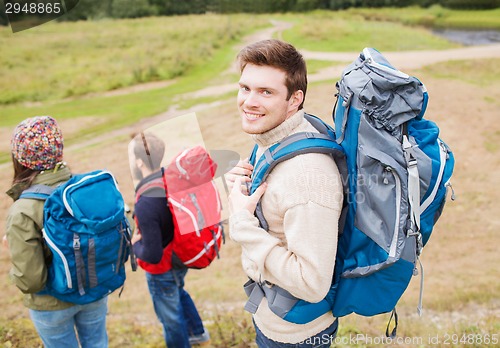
321,340
174,308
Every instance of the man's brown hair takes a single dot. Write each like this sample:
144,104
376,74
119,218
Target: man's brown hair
280,55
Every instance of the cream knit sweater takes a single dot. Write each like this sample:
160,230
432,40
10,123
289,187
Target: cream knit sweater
302,205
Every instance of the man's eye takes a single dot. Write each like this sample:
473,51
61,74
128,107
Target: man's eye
244,89
266,92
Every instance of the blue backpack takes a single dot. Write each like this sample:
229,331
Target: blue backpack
86,229
396,173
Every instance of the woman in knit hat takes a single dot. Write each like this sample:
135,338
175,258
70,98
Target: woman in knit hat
37,156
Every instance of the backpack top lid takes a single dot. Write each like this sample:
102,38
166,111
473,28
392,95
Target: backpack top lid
190,168
390,96
92,199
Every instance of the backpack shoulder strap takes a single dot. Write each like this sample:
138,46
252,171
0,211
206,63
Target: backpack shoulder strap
148,187
320,126
39,192
294,145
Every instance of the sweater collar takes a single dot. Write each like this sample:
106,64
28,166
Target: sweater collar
281,131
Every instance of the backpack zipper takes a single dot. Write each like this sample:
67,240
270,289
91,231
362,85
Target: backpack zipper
394,242
206,249
178,163
448,185
443,153
372,62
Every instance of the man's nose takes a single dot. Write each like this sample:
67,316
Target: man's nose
252,99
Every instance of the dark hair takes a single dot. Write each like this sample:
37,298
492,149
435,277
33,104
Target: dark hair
150,149
280,55
23,174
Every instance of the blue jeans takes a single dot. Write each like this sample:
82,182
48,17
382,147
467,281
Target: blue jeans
174,308
57,328
321,340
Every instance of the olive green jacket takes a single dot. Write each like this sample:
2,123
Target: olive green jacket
29,254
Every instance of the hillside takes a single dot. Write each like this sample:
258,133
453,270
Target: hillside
461,274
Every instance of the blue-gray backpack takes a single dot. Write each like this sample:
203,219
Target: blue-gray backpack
396,173
85,227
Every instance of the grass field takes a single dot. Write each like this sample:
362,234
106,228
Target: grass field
434,17
62,60
461,301
347,31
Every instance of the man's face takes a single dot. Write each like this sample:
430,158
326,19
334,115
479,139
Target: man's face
134,168
262,99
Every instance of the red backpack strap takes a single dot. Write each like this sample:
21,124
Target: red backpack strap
158,183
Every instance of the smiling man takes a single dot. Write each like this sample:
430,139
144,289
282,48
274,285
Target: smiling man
301,198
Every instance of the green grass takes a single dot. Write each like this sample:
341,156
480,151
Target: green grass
492,141
114,112
19,333
190,102
314,66
121,110
61,60
346,31
433,17
480,72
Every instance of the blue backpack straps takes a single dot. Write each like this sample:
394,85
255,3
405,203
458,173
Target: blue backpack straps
281,302
38,192
294,145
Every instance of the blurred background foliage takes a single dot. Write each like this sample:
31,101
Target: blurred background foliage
96,9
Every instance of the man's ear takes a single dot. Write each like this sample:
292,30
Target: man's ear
139,163
296,99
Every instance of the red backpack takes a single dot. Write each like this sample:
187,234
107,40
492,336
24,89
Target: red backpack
193,200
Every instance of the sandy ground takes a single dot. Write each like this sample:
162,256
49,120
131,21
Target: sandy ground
464,246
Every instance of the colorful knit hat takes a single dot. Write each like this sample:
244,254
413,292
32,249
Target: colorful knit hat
37,143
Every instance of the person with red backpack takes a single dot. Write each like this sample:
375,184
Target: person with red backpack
182,325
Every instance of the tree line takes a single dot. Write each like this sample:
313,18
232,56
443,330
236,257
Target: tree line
139,8
95,9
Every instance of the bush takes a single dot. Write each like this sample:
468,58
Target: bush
132,9
471,4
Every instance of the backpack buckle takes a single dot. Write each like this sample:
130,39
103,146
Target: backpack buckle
268,284
76,242
411,229
412,162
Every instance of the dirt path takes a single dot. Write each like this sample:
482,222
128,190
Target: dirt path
402,60
407,60
416,59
